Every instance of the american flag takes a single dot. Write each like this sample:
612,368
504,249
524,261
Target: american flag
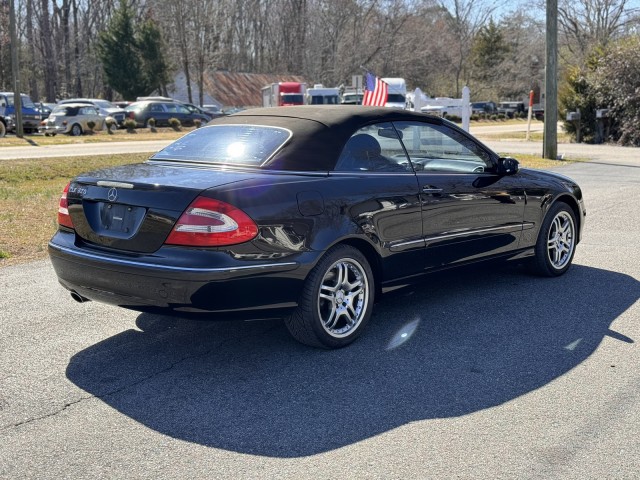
375,91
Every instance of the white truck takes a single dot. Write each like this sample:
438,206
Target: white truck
442,106
397,92
321,95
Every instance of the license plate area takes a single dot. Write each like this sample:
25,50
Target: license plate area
114,219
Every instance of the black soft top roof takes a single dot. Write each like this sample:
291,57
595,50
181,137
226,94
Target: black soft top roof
319,132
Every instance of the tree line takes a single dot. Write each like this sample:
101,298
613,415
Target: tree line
123,48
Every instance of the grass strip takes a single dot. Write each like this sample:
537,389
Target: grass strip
29,195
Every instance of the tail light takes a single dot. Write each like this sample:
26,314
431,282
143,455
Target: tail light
64,219
212,223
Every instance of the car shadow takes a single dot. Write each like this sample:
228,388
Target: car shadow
455,344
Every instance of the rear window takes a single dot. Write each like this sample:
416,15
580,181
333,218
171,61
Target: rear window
239,145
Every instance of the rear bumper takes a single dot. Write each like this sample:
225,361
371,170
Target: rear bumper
144,283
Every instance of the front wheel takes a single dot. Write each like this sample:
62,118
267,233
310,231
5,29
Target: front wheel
76,130
556,243
336,300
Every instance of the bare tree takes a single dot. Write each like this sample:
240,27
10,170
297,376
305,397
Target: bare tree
590,23
466,17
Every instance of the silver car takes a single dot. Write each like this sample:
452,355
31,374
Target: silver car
72,118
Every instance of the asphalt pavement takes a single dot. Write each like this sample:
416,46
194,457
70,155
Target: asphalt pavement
473,374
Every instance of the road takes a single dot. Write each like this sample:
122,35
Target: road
474,374
42,151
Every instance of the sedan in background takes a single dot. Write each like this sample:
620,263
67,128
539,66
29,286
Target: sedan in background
72,118
162,111
44,109
105,107
311,213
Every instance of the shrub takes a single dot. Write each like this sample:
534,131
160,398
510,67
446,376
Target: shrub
175,124
111,124
130,125
493,117
502,116
197,123
453,118
91,124
151,123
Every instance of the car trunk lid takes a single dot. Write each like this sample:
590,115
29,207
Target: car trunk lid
134,207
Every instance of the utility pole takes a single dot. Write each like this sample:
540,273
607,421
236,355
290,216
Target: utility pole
550,146
15,69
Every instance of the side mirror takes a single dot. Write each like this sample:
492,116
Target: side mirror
508,166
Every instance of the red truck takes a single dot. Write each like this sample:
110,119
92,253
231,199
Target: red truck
283,94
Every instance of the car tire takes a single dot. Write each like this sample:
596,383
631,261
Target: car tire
556,243
336,300
76,130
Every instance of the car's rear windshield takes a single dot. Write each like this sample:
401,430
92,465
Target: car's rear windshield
236,145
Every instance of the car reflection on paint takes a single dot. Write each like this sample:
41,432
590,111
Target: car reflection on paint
307,212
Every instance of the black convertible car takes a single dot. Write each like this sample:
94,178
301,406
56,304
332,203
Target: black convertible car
306,212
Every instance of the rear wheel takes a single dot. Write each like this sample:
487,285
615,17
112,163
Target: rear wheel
556,243
76,130
336,300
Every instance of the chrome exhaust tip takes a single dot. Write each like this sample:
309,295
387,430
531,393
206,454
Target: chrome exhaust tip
79,298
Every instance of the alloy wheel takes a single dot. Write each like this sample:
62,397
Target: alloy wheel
343,297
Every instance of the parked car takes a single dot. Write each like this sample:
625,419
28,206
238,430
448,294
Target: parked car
44,109
105,108
307,212
213,110
190,106
511,109
198,110
162,111
351,98
72,118
30,115
483,108
232,110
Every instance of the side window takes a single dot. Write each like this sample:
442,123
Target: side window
182,109
375,148
440,148
156,107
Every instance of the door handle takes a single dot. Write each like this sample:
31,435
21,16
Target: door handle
430,189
